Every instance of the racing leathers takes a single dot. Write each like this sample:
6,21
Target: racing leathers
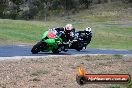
66,36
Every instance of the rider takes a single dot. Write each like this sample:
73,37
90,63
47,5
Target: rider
89,34
67,32
88,29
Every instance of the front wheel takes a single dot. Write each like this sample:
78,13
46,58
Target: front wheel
36,48
79,47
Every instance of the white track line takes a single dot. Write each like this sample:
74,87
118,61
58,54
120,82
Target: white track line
51,56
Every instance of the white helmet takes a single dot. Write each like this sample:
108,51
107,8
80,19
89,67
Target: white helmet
68,27
88,29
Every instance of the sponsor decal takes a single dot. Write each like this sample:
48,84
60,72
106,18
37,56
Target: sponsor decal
83,78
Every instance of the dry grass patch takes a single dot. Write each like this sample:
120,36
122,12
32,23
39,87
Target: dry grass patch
60,72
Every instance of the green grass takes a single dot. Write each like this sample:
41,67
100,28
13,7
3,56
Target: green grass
104,36
22,31
112,37
114,86
130,84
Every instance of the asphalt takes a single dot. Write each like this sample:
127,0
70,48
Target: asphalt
23,50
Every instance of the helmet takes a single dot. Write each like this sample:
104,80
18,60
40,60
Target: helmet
88,29
68,27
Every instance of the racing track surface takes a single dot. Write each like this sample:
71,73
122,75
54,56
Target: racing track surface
21,50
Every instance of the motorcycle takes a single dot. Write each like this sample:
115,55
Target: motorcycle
50,42
81,40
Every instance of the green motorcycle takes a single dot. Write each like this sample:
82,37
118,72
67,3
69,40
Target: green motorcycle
50,42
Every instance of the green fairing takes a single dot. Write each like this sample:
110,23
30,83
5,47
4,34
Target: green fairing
50,41
44,34
51,44
48,44
58,38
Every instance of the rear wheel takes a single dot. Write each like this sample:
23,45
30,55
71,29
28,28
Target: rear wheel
36,48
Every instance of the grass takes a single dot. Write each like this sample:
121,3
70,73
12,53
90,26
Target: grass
118,56
114,86
62,71
104,36
112,37
130,84
23,31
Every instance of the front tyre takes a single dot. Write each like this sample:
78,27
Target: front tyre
36,48
79,47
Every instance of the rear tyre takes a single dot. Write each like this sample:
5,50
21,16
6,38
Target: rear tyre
36,48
